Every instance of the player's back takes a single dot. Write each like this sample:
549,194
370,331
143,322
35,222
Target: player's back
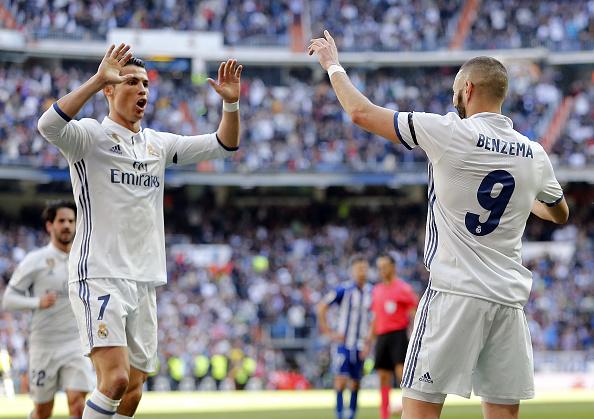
481,192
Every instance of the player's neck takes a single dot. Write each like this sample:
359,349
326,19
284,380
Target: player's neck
388,281
482,107
118,119
62,247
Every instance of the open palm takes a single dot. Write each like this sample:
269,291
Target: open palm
112,64
229,81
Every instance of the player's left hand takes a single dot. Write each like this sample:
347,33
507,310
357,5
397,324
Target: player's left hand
229,81
326,50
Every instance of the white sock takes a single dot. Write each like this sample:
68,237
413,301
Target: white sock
120,416
99,406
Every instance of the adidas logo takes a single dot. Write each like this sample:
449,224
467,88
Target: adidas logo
116,149
426,378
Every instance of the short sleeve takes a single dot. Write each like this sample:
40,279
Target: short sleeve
183,150
431,132
71,137
23,276
411,297
550,191
335,296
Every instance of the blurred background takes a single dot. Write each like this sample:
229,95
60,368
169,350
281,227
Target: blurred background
254,242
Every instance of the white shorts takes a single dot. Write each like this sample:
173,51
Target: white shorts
61,367
117,312
462,344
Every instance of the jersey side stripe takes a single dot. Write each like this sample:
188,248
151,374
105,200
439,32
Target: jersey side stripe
89,218
84,291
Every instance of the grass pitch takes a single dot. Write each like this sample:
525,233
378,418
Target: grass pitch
309,404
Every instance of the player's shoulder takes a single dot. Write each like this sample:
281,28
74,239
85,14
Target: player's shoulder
35,258
159,136
90,124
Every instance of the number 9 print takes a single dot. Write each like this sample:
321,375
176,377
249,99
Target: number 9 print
495,204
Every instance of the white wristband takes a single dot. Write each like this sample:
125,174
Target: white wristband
230,107
335,68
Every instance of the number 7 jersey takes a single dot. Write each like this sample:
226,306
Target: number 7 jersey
483,180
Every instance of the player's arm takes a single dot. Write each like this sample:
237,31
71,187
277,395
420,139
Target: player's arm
558,213
322,311
16,296
14,299
362,111
334,297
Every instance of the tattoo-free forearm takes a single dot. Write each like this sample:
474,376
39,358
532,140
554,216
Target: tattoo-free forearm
72,103
351,99
228,130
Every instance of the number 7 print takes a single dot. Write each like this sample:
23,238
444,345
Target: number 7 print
105,299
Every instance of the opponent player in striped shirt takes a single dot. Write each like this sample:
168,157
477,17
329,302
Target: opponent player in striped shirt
392,304
118,256
485,179
40,283
353,301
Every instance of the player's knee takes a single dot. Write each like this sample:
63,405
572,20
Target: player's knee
115,384
43,411
76,406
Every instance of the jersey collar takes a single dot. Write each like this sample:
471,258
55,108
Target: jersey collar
114,127
59,252
502,119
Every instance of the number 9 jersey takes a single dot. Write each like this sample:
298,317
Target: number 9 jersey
483,180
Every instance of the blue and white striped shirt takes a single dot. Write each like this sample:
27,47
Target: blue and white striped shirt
354,305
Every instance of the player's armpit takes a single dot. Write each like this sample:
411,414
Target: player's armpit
377,120
557,213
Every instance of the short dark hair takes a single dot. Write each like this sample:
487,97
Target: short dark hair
135,61
489,74
51,210
357,257
388,256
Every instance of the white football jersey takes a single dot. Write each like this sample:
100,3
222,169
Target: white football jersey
483,179
118,180
41,271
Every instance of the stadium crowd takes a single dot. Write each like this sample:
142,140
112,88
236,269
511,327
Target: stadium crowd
557,25
224,326
293,124
393,25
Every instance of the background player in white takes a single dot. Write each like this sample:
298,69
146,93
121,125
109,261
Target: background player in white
354,318
485,179
40,283
118,256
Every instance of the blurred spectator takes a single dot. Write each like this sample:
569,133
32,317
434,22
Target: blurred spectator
293,125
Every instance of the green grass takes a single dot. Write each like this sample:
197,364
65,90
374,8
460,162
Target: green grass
530,411
309,404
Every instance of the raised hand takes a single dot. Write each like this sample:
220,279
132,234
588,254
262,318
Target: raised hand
326,50
112,64
229,81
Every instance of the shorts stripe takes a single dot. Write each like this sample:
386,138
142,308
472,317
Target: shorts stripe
416,344
84,294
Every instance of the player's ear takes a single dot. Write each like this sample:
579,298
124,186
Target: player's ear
108,91
48,227
469,88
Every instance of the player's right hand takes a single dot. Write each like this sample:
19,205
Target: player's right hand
337,337
48,300
112,64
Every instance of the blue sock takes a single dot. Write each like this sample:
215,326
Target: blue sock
353,403
339,404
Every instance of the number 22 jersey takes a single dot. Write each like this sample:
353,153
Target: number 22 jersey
483,180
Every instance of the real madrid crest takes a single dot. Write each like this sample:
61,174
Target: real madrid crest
102,332
50,264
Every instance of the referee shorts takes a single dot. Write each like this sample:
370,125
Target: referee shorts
390,350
